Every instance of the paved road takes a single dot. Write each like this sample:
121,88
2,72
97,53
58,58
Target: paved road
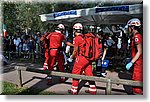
35,80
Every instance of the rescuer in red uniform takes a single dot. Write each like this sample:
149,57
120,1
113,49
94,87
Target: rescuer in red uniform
137,55
81,63
56,51
46,48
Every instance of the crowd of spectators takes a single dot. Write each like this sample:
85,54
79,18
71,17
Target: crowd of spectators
22,43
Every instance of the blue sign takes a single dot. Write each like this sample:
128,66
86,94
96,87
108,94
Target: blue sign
116,8
58,14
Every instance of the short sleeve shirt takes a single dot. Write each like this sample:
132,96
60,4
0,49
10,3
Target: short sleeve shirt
137,39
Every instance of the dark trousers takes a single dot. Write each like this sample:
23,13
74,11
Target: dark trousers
99,68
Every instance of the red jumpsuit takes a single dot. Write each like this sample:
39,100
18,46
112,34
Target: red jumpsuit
55,50
45,46
138,65
81,64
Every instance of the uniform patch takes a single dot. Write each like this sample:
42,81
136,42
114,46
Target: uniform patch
136,39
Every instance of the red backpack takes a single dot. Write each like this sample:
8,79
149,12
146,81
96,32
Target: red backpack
90,48
44,42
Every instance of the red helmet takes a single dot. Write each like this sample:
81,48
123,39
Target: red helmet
134,22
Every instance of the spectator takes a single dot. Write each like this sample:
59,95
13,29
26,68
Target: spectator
17,42
110,41
30,45
25,48
6,43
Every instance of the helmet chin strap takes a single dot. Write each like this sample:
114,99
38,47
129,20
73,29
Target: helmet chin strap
58,31
133,31
76,33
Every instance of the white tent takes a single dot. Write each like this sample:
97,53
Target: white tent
96,16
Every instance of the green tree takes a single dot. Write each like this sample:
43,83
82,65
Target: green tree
28,16
9,17
21,16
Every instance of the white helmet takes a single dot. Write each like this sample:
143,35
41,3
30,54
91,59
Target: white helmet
61,27
134,22
78,26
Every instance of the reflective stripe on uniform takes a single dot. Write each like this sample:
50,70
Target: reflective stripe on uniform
45,67
92,89
74,87
92,86
45,64
73,90
49,78
62,77
54,49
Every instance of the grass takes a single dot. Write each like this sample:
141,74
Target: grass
12,89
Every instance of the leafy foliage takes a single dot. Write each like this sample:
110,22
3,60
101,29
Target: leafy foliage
21,16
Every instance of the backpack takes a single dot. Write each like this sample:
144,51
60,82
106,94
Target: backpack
90,48
44,42
105,64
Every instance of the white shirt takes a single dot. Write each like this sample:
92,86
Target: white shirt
16,42
110,42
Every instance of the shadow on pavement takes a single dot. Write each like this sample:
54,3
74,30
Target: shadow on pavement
11,66
41,85
126,75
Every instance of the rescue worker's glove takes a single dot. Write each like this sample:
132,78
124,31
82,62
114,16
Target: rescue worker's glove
129,65
70,59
